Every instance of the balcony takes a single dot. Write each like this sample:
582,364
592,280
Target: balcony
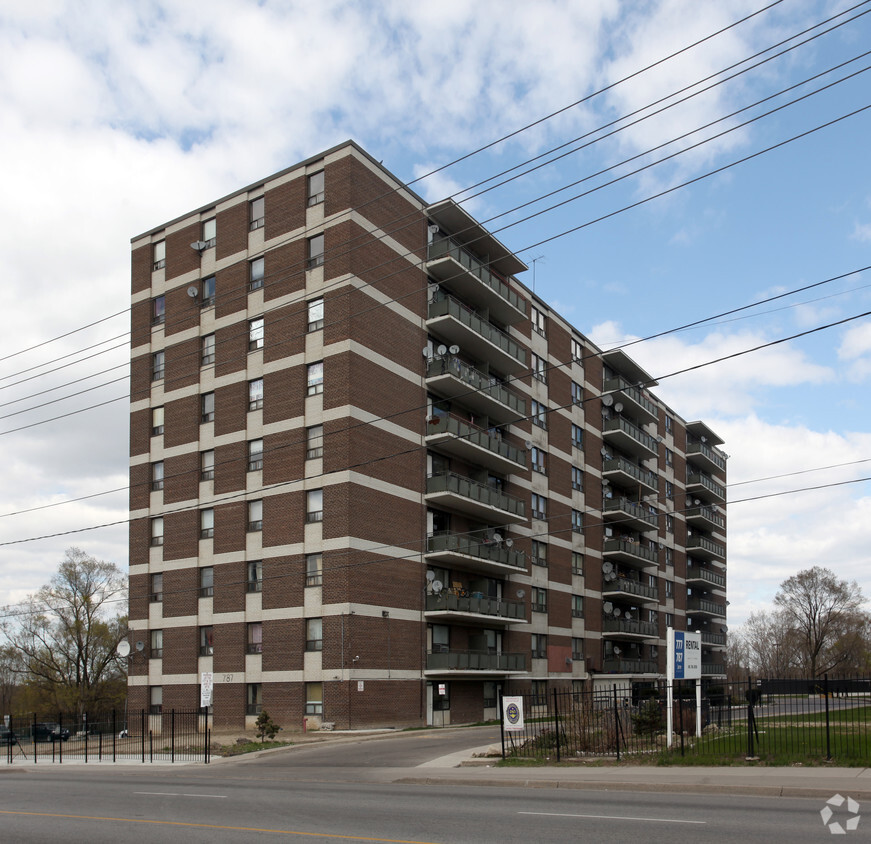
458,270
717,640
474,608
697,575
457,323
713,669
478,500
474,554
474,663
705,548
622,628
630,553
628,437
459,438
704,517
700,484
632,399
630,666
702,606
629,514
624,587
620,471
704,456
450,377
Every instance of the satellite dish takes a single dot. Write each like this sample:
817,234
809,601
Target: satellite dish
612,576
603,451
509,543
430,576
696,502
608,400
426,351
497,537
618,407
193,291
528,443
521,593
140,646
608,607
123,648
616,612
704,439
442,349
659,439
437,586
618,650
454,350
606,482
607,567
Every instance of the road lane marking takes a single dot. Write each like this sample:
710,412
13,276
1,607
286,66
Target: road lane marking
610,817
178,794
214,826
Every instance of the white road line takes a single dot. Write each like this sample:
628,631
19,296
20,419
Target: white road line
610,817
176,794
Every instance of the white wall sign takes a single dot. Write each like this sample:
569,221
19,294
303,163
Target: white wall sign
361,685
512,714
206,685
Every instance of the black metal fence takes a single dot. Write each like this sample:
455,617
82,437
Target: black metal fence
794,720
139,736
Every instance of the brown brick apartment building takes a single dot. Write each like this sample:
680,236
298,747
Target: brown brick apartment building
374,478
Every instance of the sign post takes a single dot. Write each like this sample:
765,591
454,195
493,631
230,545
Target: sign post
684,663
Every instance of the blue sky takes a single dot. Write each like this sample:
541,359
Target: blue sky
115,118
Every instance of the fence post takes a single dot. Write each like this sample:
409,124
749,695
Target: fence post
142,733
501,720
680,715
85,727
150,745
33,737
556,723
616,721
749,697
172,735
114,734
828,724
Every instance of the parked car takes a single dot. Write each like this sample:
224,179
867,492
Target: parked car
6,735
50,731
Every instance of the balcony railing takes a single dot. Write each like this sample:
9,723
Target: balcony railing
705,514
709,484
474,661
645,477
449,248
487,551
475,492
477,382
630,666
631,434
631,627
704,546
442,305
470,435
478,605
624,548
713,638
695,604
713,456
713,669
635,512
631,587
696,573
633,394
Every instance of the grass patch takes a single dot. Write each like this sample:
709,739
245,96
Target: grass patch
249,747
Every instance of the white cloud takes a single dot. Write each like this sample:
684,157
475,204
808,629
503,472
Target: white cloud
862,231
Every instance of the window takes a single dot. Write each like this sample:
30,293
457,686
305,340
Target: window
315,314
315,378
256,213
539,368
490,694
254,699
538,506
158,365
156,421
255,576
669,457
156,594
210,232
577,521
157,475
207,349
669,620
158,255
255,274
577,606
314,505
255,515
577,478
577,562
156,649
578,650
539,693
539,599
538,645
207,523
157,530
538,321
577,436
155,700
314,634
669,490
315,251
207,465
255,334
669,588
158,310
207,641
669,556
538,414
207,402
441,639
255,455
314,699
315,184
539,553
669,424
577,350
538,461
255,637
669,524
208,297
314,569
653,616
314,442
577,393
255,394
207,581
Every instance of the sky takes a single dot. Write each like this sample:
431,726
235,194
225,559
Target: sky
116,117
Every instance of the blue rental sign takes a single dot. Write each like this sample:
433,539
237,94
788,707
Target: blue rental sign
686,655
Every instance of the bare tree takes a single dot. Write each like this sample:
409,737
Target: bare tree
11,676
825,617
68,632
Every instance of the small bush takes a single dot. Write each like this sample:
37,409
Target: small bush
266,727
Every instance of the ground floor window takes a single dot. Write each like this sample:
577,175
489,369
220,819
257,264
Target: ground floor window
314,699
255,699
441,698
